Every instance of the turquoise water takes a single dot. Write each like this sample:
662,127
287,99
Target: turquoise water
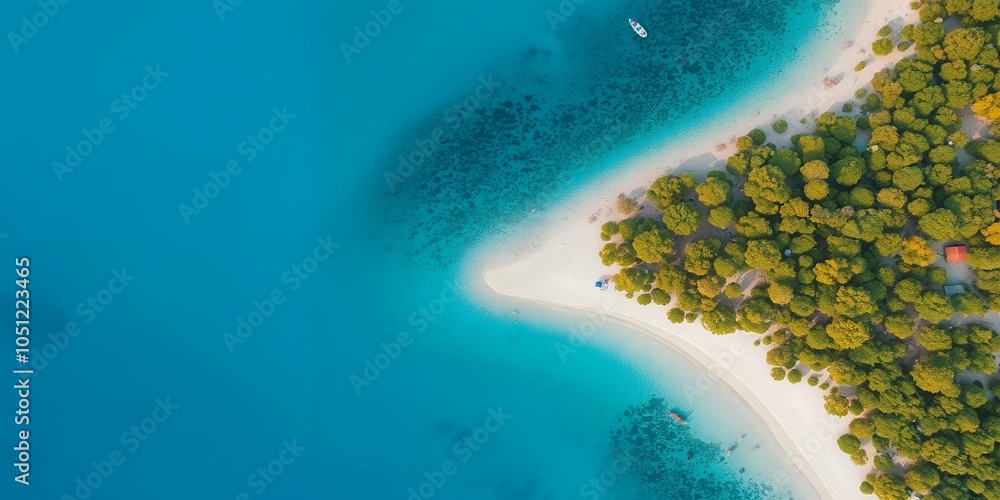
234,297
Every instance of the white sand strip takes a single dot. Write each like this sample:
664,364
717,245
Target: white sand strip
563,271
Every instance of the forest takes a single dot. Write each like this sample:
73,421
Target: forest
831,251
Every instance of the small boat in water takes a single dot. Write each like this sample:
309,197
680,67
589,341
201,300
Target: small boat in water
639,30
677,418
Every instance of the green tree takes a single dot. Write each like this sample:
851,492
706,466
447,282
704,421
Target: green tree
753,225
720,217
908,178
755,312
933,306
630,228
660,297
899,325
633,279
983,10
762,254
671,278
927,100
916,252
884,138
710,286
848,171
682,218
860,197
698,256
767,183
780,293
863,428
676,315
609,229
922,478
779,356
958,94
853,302
942,154
939,225
815,170
834,271
848,333
714,191
919,207
977,444
891,198
841,128
655,246
845,372
914,75
888,244
988,107
811,147
720,321
787,160
666,191
888,487
938,450
725,267
928,34
780,126
849,444
801,244
866,488
621,254
883,46
908,289
837,405
992,234
934,338
935,376
969,304
816,190
984,258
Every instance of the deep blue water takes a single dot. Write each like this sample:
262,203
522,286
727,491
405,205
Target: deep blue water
144,271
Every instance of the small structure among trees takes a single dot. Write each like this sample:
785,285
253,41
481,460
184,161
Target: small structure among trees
956,253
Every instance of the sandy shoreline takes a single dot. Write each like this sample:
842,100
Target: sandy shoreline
562,272
560,276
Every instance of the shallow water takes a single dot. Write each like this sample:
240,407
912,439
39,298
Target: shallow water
571,100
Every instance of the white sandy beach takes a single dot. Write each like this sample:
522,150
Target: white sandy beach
563,270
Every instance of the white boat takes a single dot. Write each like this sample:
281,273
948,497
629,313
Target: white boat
639,30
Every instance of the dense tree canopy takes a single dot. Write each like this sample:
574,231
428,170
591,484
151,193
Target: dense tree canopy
830,251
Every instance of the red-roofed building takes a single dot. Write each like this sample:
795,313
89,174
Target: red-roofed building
956,253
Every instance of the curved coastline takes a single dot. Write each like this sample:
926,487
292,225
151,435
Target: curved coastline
714,368
560,272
